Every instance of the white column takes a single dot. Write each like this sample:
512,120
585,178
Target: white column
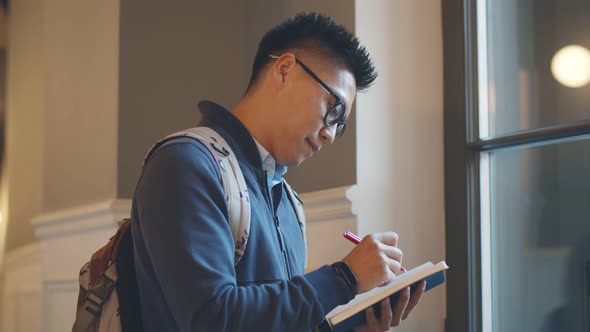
400,164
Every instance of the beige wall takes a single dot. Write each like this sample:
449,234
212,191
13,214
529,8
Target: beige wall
85,125
94,122
22,179
81,50
3,28
172,56
78,127
61,109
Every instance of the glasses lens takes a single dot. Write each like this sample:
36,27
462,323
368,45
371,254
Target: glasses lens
335,115
340,129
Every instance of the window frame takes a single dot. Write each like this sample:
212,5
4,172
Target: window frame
462,150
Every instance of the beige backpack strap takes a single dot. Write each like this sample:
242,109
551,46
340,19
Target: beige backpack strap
298,207
234,184
96,287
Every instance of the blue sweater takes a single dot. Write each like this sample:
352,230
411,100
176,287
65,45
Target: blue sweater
184,250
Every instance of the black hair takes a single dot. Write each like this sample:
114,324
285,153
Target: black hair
321,30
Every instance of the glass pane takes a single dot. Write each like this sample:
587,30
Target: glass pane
524,83
536,238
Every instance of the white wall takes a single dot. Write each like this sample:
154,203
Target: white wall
43,277
400,178
21,290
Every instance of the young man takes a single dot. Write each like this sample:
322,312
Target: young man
305,77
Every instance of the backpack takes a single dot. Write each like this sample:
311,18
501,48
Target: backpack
108,298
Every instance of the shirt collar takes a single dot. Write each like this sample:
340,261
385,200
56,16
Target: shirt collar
274,170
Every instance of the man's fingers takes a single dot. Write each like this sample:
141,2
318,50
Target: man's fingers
393,257
386,314
400,306
389,238
416,295
372,322
395,267
392,252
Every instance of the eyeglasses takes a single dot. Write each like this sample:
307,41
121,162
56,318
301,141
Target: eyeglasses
335,115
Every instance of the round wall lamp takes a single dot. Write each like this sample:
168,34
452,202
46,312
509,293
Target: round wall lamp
571,66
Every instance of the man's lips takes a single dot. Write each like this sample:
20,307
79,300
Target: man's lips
314,147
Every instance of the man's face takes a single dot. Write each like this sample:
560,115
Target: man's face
301,131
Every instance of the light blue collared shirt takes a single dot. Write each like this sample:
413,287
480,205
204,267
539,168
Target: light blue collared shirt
273,170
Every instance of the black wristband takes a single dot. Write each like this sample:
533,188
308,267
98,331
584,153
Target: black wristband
346,273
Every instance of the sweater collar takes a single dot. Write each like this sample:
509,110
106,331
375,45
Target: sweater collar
232,129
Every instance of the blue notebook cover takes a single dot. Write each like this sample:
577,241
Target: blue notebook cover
360,318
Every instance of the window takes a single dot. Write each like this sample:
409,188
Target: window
517,164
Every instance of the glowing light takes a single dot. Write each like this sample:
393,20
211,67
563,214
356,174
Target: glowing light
571,66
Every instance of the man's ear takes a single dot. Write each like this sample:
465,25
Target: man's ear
283,70
284,65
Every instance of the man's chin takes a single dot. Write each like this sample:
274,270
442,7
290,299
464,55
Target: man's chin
292,162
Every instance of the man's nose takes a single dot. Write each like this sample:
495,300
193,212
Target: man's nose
329,134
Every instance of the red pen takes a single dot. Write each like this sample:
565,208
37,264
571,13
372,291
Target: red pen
356,240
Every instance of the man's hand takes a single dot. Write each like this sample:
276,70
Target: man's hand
375,260
389,317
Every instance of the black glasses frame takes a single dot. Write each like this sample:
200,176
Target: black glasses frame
339,120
